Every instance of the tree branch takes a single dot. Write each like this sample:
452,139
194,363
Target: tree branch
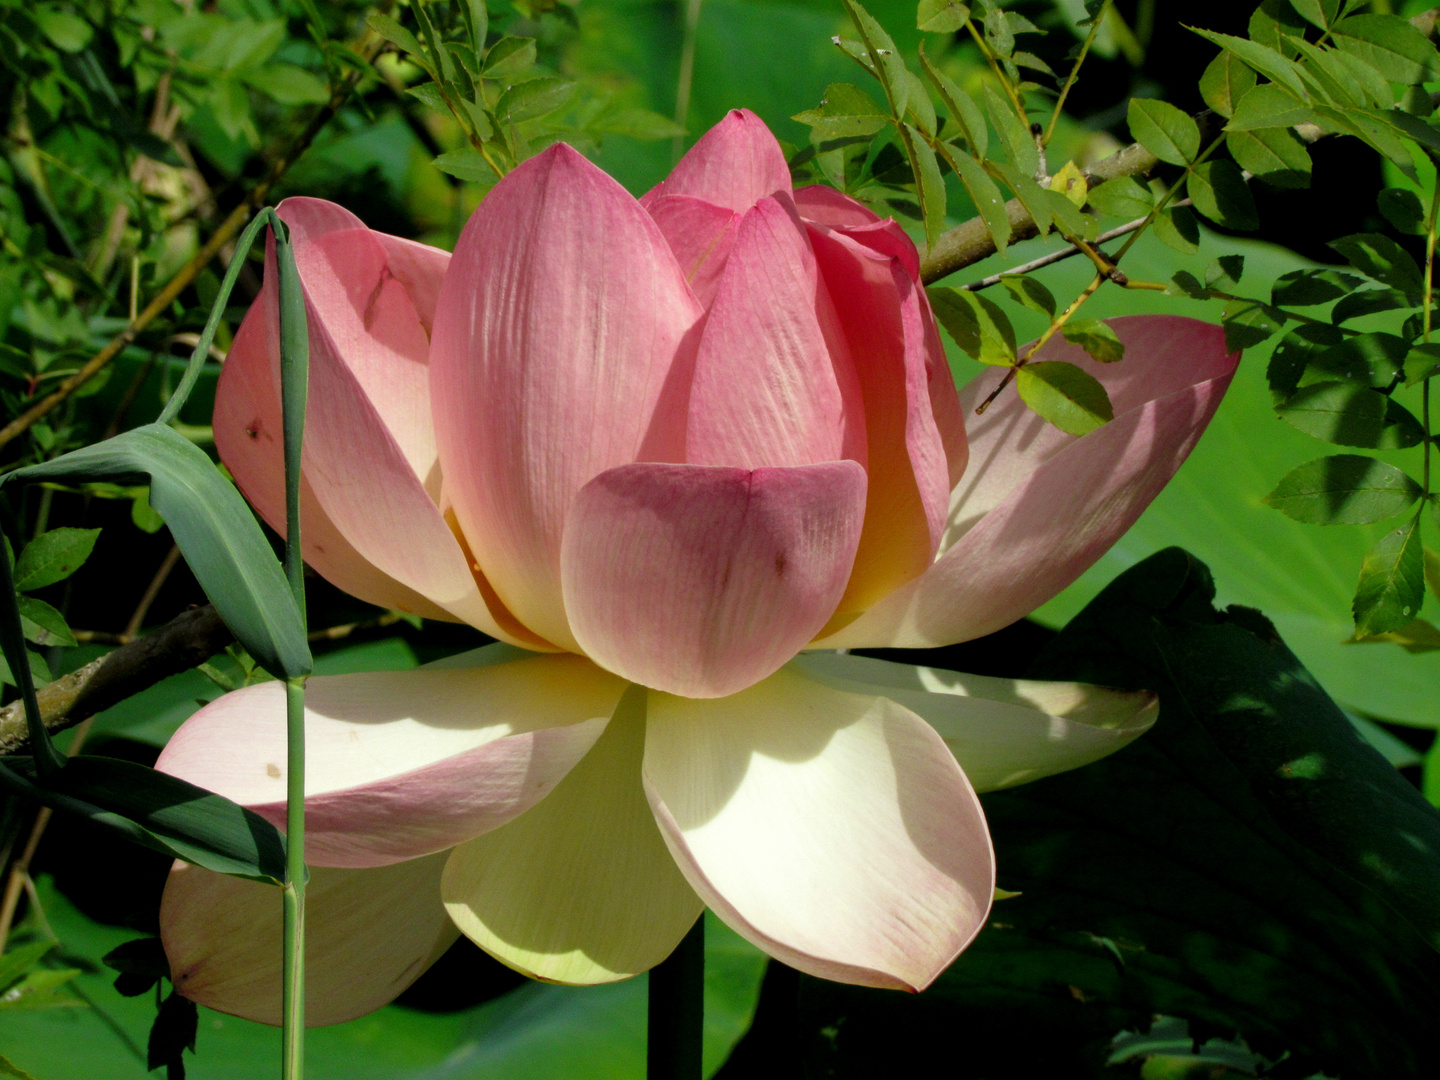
185,641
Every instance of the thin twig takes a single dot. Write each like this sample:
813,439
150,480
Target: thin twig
185,641
137,618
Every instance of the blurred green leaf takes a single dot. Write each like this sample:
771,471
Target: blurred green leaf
1067,396
66,31
289,84
1347,489
508,57
1306,288
538,97
391,30
941,16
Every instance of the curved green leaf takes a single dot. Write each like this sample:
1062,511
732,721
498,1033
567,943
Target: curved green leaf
1347,489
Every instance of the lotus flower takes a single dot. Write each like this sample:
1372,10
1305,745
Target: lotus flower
657,449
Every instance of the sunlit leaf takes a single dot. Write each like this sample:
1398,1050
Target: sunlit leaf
1167,132
1096,338
1392,582
1067,396
1346,489
976,323
1273,155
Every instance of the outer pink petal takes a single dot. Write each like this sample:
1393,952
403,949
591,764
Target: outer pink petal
769,388
700,581
368,935
701,235
833,830
401,764
883,316
247,434
564,336
735,164
823,205
421,269
1038,507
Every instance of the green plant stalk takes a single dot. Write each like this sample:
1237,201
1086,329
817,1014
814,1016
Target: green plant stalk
294,386
989,55
1075,71
687,73
217,312
1431,223
676,1021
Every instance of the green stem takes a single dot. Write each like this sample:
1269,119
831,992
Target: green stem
294,386
1075,70
677,1010
687,73
1165,199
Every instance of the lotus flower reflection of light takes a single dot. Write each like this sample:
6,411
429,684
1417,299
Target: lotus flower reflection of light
657,448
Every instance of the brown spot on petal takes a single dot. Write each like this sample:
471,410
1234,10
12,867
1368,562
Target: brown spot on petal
779,564
253,428
272,770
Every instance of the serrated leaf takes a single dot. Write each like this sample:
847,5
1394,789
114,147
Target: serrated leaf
429,94
1064,395
1267,61
468,164
1321,13
929,184
1269,106
536,98
977,325
919,108
1225,81
885,59
1176,227
1019,142
1276,23
1218,190
1096,338
1123,197
391,30
1274,156
1370,359
1381,258
1392,582
42,624
1028,291
1345,489
53,556
1167,132
961,106
1306,288
1226,271
214,528
1390,45
1338,412
289,84
983,193
941,16
1402,209
509,57
1031,195
998,32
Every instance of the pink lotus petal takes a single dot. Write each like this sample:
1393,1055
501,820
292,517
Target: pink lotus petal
883,316
833,830
402,763
420,268
702,580
823,205
1038,506
248,436
580,890
701,235
770,387
735,164
368,935
562,319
